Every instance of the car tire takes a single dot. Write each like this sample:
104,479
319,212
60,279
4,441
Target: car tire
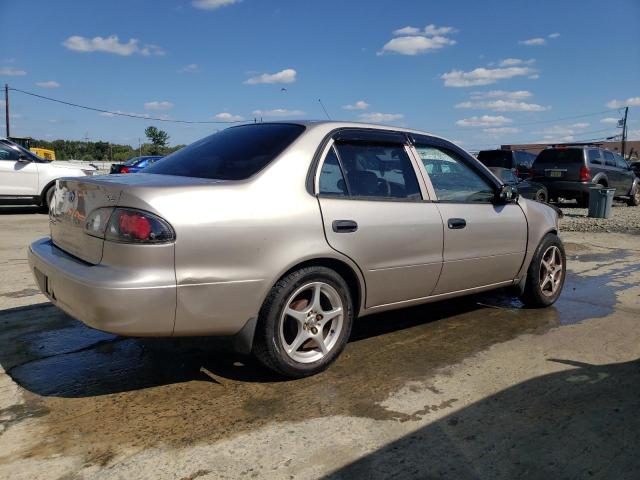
48,195
546,274
541,195
634,200
298,317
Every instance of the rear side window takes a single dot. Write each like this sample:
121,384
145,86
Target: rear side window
560,156
594,157
496,158
621,162
232,154
370,171
609,159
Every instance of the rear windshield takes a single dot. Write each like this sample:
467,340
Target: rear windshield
564,155
496,158
232,154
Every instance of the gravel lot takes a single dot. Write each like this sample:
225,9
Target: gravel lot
624,219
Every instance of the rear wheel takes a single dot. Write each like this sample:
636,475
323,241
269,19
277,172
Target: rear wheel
305,322
546,273
541,195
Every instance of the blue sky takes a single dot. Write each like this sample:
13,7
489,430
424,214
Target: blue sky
478,72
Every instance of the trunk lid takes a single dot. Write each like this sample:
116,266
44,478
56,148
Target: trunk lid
74,199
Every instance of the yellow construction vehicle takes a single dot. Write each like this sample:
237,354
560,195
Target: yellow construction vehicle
41,152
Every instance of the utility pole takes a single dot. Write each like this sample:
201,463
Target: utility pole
624,131
6,108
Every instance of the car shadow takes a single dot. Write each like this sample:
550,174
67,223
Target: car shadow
21,209
579,423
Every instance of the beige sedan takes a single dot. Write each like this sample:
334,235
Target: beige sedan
278,235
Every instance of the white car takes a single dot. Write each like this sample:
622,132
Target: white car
26,179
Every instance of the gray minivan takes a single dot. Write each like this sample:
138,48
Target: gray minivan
569,172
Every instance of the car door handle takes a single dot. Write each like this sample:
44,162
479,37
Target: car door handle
456,223
344,226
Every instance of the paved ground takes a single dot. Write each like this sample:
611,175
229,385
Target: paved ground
474,388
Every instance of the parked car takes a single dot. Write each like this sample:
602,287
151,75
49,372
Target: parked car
280,234
635,166
526,188
135,164
26,179
517,160
569,172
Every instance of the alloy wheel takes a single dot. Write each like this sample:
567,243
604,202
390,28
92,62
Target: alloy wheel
551,271
311,322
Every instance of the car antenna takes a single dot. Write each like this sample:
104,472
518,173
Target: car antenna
324,109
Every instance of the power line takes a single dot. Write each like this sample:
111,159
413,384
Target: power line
123,114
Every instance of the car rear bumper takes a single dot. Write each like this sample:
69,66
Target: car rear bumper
565,188
104,297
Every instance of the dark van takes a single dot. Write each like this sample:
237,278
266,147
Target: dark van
517,160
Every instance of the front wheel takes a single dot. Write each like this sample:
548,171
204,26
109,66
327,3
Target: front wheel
304,323
541,195
546,273
634,200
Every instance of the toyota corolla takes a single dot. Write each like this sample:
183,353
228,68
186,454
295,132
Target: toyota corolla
279,234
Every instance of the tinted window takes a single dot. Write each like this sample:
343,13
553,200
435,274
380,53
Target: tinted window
132,161
452,179
331,178
8,153
620,162
594,157
496,158
560,156
232,154
608,158
382,171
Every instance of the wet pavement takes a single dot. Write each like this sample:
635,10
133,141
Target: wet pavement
78,403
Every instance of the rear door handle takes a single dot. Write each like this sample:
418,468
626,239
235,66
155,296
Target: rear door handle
456,223
344,226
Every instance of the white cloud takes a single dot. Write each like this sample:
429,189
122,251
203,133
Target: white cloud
191,68
48,84
533,42
504,106
110,44
511,95
158,105
511,62
484,121
415,45
609,120
482,76
554,35
359,105
228,117
497,131
284,76
277,112
213,4
629,102
535,76
378,117
413,41
12,72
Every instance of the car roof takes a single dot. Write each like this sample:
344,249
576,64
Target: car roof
330,125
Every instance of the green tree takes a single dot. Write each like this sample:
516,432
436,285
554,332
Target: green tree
159,139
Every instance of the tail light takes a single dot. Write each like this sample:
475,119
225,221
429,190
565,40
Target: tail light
127,225
585,174
124,170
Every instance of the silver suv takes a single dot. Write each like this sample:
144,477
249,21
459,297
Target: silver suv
280,234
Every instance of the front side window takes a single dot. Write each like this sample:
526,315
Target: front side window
7,153
235,153
452,179
378,171
621,162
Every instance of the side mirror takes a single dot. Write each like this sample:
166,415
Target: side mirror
22,158
507,194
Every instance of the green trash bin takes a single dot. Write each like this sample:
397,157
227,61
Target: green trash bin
600,201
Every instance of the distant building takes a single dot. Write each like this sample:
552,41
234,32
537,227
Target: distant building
633,147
